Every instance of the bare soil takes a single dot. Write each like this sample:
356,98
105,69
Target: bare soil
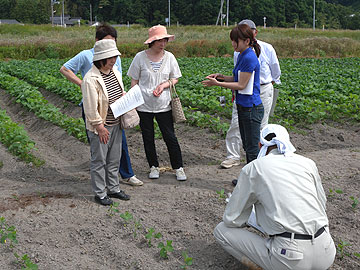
61,227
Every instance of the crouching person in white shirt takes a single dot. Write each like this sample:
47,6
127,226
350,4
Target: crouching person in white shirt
289,200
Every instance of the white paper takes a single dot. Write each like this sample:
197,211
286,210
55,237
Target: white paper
249,89
132,99
252,221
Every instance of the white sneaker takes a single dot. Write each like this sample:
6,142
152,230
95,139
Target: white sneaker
154,172
229,162
180,174
133,181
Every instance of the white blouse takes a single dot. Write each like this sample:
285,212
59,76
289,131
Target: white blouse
141,70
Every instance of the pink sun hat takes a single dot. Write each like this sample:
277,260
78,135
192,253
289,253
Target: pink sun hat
158,32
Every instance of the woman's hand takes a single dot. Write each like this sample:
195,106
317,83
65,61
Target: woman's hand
103,133
158,90
211,80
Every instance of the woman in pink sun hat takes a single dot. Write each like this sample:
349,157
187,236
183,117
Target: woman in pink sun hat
152,69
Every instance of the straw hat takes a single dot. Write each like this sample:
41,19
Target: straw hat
105,48
158,32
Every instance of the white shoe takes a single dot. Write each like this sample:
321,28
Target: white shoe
180,174
133,181
154,172
229,162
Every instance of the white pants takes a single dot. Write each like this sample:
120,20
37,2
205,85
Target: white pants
277,253
233,139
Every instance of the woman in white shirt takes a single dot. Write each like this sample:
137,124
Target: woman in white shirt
152,69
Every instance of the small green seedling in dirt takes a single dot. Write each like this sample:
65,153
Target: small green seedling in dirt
332,192
15,197
25,262
113,209
164,249
355,202
1,164
187,260
151,234
137,227
126,217
341,249
357,254
7,233
221,193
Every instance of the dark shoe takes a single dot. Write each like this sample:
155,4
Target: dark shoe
104,201
120,195
234,182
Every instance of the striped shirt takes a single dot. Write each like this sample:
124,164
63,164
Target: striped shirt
156,65
114,93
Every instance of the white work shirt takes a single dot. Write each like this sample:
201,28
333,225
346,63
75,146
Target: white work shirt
287,194
269,63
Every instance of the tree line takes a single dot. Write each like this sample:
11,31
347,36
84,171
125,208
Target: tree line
335,14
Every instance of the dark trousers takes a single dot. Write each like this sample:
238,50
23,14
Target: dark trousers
166,125
125,168
249,124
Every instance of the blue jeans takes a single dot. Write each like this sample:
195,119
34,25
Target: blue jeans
249,124
125,168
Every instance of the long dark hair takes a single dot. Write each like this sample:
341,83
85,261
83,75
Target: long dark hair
243,32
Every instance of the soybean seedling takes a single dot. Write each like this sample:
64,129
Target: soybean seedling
25,262
113,209
126,217
151,234
221,193
341,249
7,233
332,192
137,227
355,202
164,249
187,260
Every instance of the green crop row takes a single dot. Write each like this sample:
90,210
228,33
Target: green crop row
30,97
16,139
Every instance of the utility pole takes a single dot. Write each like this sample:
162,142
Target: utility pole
63,15
90,16
169,12
314,17
227,12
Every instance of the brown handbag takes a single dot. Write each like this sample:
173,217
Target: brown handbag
129,119
176,107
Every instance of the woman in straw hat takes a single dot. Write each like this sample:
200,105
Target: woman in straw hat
152,69
101,86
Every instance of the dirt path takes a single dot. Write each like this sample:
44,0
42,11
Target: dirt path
60,227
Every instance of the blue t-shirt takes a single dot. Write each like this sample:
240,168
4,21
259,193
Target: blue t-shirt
248,62
83,62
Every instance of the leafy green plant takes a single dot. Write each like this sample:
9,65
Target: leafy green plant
25,262
187,260
164,249
7,233
357,254
332,192
126,217
341,249
137,228
151,234
112,210
355,202
221,193
1,164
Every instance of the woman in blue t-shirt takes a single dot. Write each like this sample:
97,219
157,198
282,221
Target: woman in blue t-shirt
245,84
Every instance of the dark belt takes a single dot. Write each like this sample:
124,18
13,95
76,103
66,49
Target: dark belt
301,236
265,83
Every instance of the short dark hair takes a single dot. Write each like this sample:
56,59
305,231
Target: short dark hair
100,63
152,43
104,30
270,136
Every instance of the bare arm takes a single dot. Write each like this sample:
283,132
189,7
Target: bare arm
70,76
228,81
134,82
